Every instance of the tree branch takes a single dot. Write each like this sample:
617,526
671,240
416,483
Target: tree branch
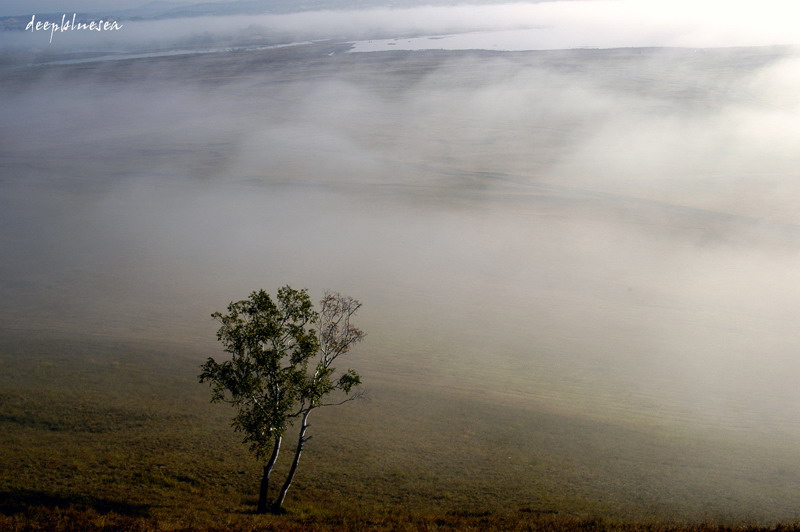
355,396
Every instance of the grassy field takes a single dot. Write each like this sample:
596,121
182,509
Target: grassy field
569,327
106,434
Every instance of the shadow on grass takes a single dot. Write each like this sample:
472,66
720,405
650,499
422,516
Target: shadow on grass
20,501
250,508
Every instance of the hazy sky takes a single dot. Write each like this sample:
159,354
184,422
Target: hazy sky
18,7
592,23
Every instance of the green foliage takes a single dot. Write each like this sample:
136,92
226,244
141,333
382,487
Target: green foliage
267,378
271,343
349,380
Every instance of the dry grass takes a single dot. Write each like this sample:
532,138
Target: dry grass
115,436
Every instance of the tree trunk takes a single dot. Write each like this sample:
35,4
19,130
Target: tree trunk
301,440
262,496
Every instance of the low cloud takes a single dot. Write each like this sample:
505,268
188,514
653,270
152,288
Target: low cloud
624,217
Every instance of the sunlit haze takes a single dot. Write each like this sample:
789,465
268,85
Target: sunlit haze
589,208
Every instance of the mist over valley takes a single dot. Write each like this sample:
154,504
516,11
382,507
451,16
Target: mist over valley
596,248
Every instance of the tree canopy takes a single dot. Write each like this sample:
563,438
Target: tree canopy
270,378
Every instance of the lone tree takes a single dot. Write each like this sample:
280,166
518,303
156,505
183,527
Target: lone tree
281,369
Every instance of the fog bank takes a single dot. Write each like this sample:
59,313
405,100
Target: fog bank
608,233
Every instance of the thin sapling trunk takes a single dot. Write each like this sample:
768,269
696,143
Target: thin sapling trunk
263,493
301,440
